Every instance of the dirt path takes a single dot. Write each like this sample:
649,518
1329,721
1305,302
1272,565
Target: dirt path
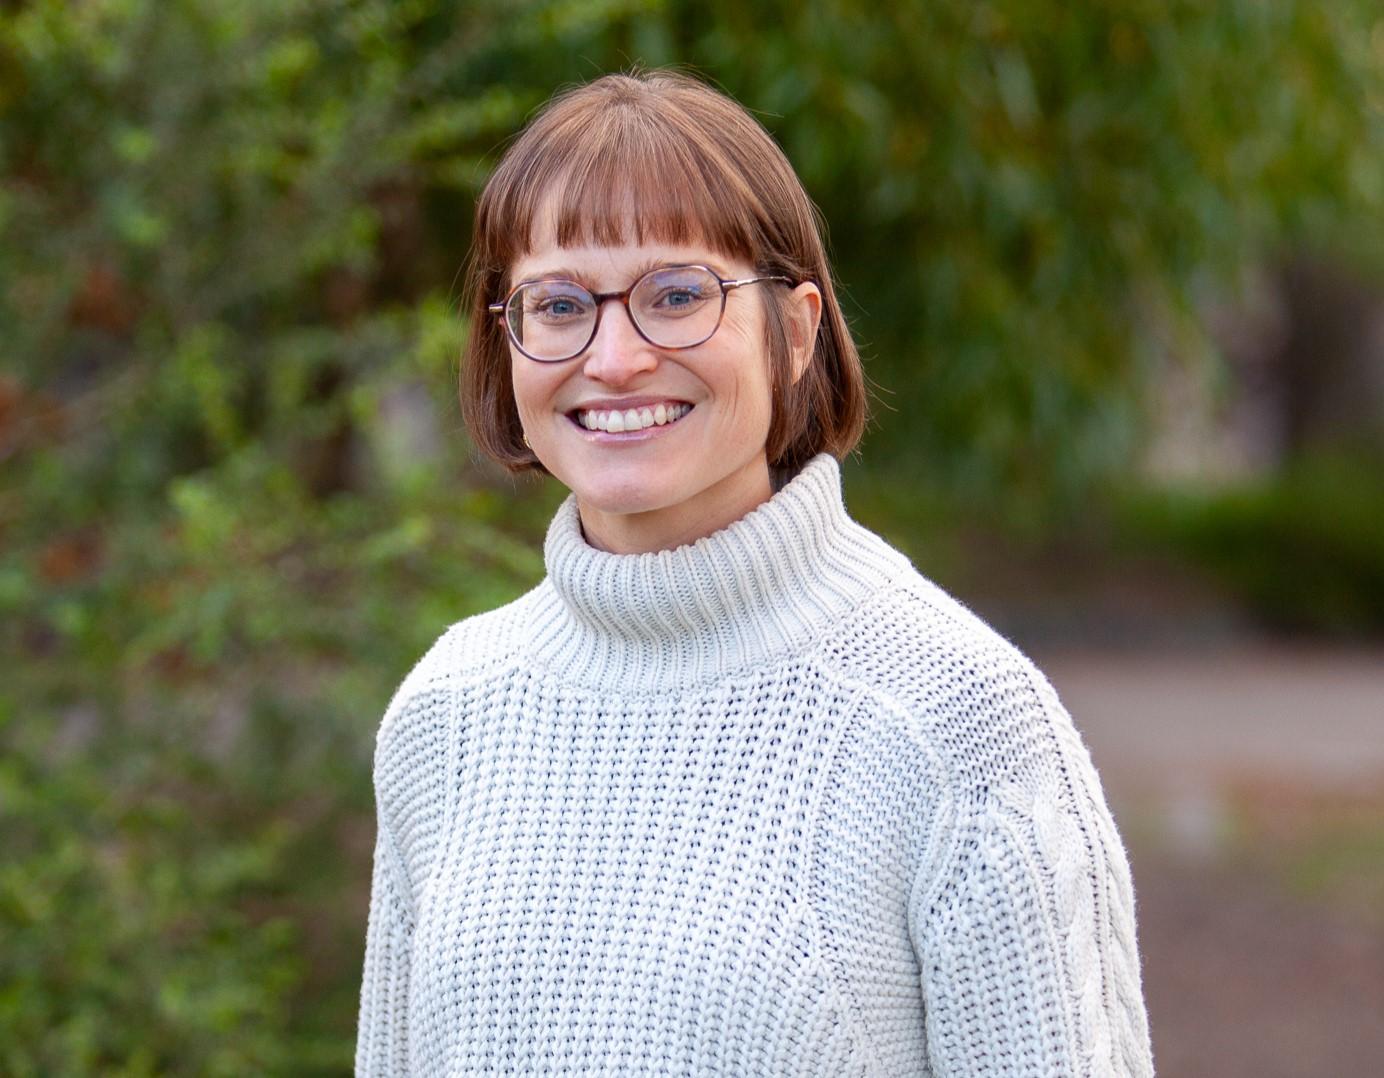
1243,981
1242,978
1164,721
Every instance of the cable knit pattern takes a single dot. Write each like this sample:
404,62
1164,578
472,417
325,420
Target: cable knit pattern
771,803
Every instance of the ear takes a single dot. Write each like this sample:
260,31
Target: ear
804,317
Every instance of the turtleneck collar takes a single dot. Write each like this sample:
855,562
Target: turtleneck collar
757,588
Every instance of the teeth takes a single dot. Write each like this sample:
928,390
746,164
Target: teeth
633,419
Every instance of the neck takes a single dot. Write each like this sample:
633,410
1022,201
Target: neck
712,509
762,586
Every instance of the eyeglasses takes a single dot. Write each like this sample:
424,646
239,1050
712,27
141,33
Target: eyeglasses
670,307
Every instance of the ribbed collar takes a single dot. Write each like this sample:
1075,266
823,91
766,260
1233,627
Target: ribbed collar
758,588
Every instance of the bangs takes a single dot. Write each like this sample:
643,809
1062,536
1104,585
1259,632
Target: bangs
622,176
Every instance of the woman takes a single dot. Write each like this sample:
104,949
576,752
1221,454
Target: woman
734,790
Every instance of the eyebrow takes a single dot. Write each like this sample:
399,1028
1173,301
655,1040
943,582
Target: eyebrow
586,281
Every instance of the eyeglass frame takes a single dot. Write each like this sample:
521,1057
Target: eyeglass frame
601,298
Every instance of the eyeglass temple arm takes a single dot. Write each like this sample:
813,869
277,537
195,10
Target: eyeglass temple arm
756,280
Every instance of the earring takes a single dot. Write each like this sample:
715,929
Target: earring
526,441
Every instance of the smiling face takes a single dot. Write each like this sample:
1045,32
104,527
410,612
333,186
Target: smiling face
668,483
607,180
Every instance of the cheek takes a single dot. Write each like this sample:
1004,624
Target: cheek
530,385
746,383
743,336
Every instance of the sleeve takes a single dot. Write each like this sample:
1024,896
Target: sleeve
381,1037
1026,937
409,776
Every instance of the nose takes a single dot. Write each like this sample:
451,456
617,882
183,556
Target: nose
617,353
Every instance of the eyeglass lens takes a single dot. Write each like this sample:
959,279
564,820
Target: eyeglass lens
674,308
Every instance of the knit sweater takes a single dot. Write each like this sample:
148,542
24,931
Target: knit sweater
771,803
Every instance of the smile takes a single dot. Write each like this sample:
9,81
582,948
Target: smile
631,421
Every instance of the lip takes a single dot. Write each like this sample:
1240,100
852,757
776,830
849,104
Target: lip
628,437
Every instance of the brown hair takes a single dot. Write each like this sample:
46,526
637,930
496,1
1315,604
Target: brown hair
695,167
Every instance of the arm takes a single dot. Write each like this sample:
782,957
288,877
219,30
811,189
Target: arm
409,765
381,1038
1026,937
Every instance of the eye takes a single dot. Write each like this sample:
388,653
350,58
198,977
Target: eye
556,303
679,297
676,293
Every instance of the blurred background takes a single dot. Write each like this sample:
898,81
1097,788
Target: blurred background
1117,272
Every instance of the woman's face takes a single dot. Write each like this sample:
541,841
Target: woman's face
666,484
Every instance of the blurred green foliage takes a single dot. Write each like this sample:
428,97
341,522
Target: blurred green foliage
236,501
1304,549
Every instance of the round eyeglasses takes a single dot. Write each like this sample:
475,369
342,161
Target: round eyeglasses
670,307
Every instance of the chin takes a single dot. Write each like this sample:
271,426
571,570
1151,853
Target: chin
623,497
626,486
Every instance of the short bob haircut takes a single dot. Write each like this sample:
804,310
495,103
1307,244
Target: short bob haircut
671,159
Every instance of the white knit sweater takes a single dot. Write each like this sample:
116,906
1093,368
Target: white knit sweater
768,804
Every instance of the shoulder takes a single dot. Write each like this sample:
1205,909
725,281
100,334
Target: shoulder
412,735
983,717
471,649
414,739
958,684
